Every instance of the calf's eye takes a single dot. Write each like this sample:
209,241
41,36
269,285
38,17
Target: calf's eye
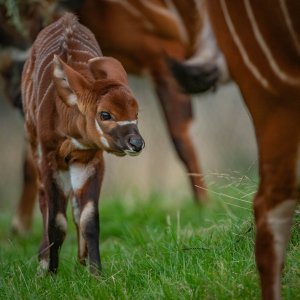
105,116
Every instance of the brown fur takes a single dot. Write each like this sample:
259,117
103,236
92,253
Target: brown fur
66,87
275,113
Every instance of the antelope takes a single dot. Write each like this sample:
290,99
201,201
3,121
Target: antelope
77,105
261,44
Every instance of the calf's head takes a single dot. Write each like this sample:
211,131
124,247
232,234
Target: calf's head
109,110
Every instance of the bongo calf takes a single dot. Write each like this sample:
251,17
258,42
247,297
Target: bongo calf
77,105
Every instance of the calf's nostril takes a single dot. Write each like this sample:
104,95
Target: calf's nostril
136,143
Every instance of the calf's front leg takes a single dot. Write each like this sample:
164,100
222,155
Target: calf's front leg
86,181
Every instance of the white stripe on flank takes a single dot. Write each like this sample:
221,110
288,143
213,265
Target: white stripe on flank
92,50
289,24
122,123
255,72
28,91
47,90
87,40
41,77
266,50
48,40
44,55
40,68
53,32
279,221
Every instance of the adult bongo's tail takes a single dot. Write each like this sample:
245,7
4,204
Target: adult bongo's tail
195,78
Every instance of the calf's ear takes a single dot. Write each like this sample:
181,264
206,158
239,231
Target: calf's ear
68,82
107,68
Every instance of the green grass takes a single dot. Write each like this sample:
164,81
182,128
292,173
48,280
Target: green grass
153,249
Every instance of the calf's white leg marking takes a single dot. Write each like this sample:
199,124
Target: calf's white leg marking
61,222
80,173
76,210
62,178
279,221
43,266
86,215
